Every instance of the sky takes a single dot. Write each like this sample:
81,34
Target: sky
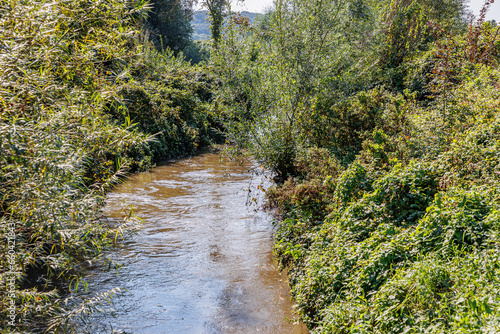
256,6
476,5
259,6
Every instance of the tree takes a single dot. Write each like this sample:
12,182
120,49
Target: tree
217,10
170,22
283,86
271,77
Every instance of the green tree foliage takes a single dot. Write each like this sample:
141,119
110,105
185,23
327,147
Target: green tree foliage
287,78
307,55
170,22
216,11
409,27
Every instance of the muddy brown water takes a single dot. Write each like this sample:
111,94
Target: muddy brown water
202,262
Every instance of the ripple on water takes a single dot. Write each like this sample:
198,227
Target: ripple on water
202,262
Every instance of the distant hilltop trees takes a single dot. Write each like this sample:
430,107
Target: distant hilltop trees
201,24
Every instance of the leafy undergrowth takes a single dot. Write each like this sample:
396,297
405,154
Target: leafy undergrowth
405,238
84,100
380,120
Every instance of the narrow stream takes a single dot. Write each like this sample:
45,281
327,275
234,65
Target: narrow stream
202,263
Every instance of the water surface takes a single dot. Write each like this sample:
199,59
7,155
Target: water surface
202,262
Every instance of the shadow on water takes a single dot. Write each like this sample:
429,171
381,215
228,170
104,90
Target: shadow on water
202,262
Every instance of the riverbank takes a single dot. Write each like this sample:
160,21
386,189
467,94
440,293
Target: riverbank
381,121
404,238
80,108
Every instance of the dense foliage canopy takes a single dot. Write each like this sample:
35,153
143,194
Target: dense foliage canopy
170,24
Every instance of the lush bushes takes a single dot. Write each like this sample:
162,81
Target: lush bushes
170,99
83,101
323,73
398,279
392,260
407,242
387,160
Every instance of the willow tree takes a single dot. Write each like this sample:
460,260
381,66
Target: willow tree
272,77
281,85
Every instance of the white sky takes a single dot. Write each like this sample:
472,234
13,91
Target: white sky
493,12
259,6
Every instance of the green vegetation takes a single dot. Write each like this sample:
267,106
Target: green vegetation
381,123
84,99
379,119
201,23
169,24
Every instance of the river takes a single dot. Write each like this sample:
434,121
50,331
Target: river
202,261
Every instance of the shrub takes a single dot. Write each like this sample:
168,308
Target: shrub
74,120
311,191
